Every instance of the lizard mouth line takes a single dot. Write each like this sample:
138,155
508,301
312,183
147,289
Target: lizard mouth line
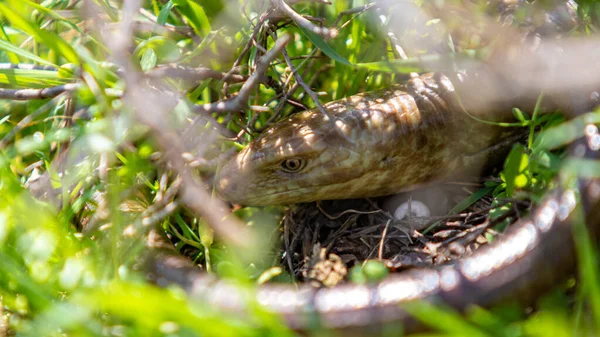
248,201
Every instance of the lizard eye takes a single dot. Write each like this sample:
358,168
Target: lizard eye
292,165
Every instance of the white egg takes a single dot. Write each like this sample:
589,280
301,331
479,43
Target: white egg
418,209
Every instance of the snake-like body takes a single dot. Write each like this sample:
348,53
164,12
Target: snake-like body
375,144
531,256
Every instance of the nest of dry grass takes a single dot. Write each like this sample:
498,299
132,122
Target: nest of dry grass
321,241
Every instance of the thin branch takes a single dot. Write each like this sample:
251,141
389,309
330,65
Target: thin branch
312,94
192,194
151,27
193,74
26,66
357,10
30,94
150,110
240,101
183,30
238,61
382,241
302,21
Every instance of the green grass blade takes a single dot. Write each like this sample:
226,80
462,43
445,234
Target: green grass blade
25,78
163,16
443,319
320,43
53,15
7,46
53,41
566,132
588,265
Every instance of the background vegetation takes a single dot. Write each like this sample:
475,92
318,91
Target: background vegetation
83,172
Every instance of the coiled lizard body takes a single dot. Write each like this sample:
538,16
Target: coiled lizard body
356,152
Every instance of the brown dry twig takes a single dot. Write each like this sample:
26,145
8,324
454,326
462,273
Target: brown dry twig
31,94
313,95
149,109
26,66
302,21
193,74
235,67
348,211
356,11
183,30
240,101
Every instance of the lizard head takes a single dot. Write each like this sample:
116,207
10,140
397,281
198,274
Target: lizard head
300,159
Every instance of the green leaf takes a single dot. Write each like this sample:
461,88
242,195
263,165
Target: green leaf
148,59
55,16
11,56
166,50
585,168
195,14
206,42
67,70
516,163
473,198
413,64
520,115
163,16
587,258
318,41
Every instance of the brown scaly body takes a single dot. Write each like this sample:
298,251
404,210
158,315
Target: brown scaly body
528,259
378,143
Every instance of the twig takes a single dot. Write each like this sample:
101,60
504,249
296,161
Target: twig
313,95
26,66
156,211
30,94
244,51
183,30
151,27
348,211
192,193
240,102
284,97
357,10
193,74
302,21
150,110
289,249
382,242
